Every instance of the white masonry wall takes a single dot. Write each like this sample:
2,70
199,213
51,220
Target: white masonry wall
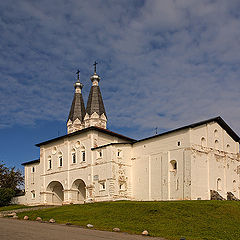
69,172
215,162
184,164
152,175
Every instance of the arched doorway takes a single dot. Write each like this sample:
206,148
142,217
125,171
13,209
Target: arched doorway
56,189
80,187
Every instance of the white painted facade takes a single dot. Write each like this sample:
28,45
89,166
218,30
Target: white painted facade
182,164
92,164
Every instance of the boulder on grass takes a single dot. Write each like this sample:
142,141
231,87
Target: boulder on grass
116,229
216,196
15,217
26,218
38,219
231,197
145,233
89,225
12,214
52,220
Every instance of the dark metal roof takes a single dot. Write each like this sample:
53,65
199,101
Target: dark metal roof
218,119
31,162
86,130
110,144
95,102
77,109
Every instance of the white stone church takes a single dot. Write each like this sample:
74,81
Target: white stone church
91,163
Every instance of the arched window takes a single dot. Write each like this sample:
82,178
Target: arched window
203,142
54,151
173,165
49,162
60,159
216,144
219,184
119,153
33,194
73,156
228,146
83,154
215,133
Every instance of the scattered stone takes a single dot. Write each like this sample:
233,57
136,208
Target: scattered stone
216,196
15,217
12,214
116,229
52,220
89,225
39,219
68,223
26,218
145,233
231,197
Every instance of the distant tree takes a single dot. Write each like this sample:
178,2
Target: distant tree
6,195
10,178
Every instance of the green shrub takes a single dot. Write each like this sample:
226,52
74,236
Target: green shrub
6,195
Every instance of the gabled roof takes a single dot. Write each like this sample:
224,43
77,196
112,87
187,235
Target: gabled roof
95,102
31,162
218,119
86,130
77,109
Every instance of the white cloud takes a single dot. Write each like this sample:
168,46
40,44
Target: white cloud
163,63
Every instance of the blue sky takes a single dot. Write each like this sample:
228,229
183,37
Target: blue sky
162,63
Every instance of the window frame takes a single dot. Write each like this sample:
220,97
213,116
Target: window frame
33,194
60,160
83,154
74,159
49,163
103,185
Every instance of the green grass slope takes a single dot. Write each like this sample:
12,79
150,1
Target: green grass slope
12,207
171,220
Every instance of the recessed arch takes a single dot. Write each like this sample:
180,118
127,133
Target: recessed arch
80,187
56,188
78,144
173,165
203,142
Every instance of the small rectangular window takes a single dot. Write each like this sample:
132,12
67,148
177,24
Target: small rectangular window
50,164
33,169
33,194
100,154
103,185
119,153
83,156
60,161
73,157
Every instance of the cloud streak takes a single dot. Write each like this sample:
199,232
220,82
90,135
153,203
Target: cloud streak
162,63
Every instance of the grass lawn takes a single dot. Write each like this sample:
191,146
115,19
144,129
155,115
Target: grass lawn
171,220
12,207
